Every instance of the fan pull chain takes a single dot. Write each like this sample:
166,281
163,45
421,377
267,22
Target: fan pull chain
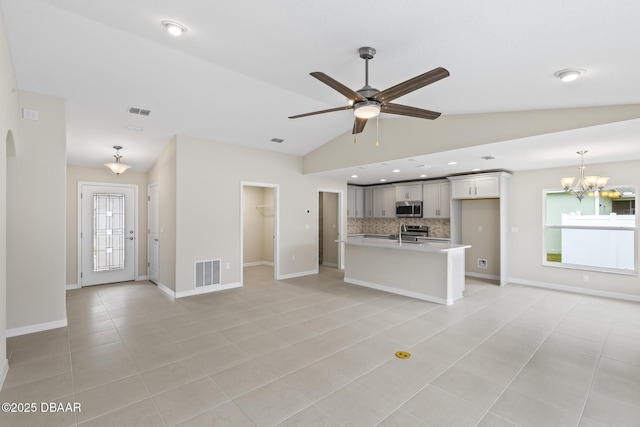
377,133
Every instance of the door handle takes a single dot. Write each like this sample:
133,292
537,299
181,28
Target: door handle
155,240
130,238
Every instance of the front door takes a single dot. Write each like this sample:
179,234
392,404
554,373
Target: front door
108,234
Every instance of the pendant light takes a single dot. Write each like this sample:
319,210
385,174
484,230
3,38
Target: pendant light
117,167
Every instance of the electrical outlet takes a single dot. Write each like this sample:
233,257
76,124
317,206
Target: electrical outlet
482,263
228,266
585,278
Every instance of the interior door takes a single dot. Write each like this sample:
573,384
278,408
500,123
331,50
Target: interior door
153,235
107,234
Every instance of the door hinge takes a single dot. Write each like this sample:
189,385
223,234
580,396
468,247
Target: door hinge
81,275
81,235
148,198
148,264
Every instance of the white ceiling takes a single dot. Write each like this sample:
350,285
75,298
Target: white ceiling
243,68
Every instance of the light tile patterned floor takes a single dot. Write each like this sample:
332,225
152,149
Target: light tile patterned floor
314,351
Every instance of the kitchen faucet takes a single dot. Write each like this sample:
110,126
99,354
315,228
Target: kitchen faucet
402,226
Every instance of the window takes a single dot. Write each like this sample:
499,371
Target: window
598,233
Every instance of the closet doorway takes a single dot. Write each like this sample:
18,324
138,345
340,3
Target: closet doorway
259,236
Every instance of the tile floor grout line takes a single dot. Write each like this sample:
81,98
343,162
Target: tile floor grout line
595,371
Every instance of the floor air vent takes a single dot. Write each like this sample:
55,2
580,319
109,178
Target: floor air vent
207,273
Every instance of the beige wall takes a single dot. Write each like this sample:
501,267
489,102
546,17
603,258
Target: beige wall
267,225
481,229
10,135
76,174
36,209
526,215
163,173
208,207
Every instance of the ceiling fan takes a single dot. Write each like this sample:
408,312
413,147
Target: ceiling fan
368,102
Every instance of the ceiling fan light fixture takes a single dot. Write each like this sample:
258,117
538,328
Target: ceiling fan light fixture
569,74
366,109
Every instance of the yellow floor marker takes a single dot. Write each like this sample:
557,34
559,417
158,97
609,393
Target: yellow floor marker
402,355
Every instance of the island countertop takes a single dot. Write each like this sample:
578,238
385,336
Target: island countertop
420,246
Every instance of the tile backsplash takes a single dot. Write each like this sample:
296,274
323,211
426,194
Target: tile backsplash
437,227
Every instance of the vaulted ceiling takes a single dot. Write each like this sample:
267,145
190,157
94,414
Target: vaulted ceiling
243,67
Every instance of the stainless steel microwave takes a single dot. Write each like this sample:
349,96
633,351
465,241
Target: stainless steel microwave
409,209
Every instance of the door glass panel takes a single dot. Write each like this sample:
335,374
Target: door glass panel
108,232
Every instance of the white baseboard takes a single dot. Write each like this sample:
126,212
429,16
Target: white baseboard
166,290
482,276
208,289
565,288
402,292
23,330
141,278
330,264
3,372
294,275
72,287
256,263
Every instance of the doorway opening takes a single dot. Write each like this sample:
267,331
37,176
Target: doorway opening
259,229
329,228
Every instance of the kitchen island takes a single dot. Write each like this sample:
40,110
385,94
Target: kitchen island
428,270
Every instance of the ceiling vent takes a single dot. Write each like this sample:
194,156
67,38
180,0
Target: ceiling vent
488,157
278,140
139,111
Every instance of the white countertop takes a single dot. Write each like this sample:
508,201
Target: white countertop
424,246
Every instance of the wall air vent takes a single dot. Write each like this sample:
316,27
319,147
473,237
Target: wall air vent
139,111
206,273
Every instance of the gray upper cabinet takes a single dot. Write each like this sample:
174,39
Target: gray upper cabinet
475,187
436,200
368,202
384,202
355,202
408,192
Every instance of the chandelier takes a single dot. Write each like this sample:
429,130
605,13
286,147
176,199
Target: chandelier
585,184
117,167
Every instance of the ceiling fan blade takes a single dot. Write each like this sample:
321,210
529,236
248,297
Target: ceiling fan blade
336,85
405,110
348,107
358,125
410,85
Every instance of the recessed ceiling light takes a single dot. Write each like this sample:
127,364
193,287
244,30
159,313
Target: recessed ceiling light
383,180
423,176
395,170
133,128
354,176
452,163
174,28
569,74
475,169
